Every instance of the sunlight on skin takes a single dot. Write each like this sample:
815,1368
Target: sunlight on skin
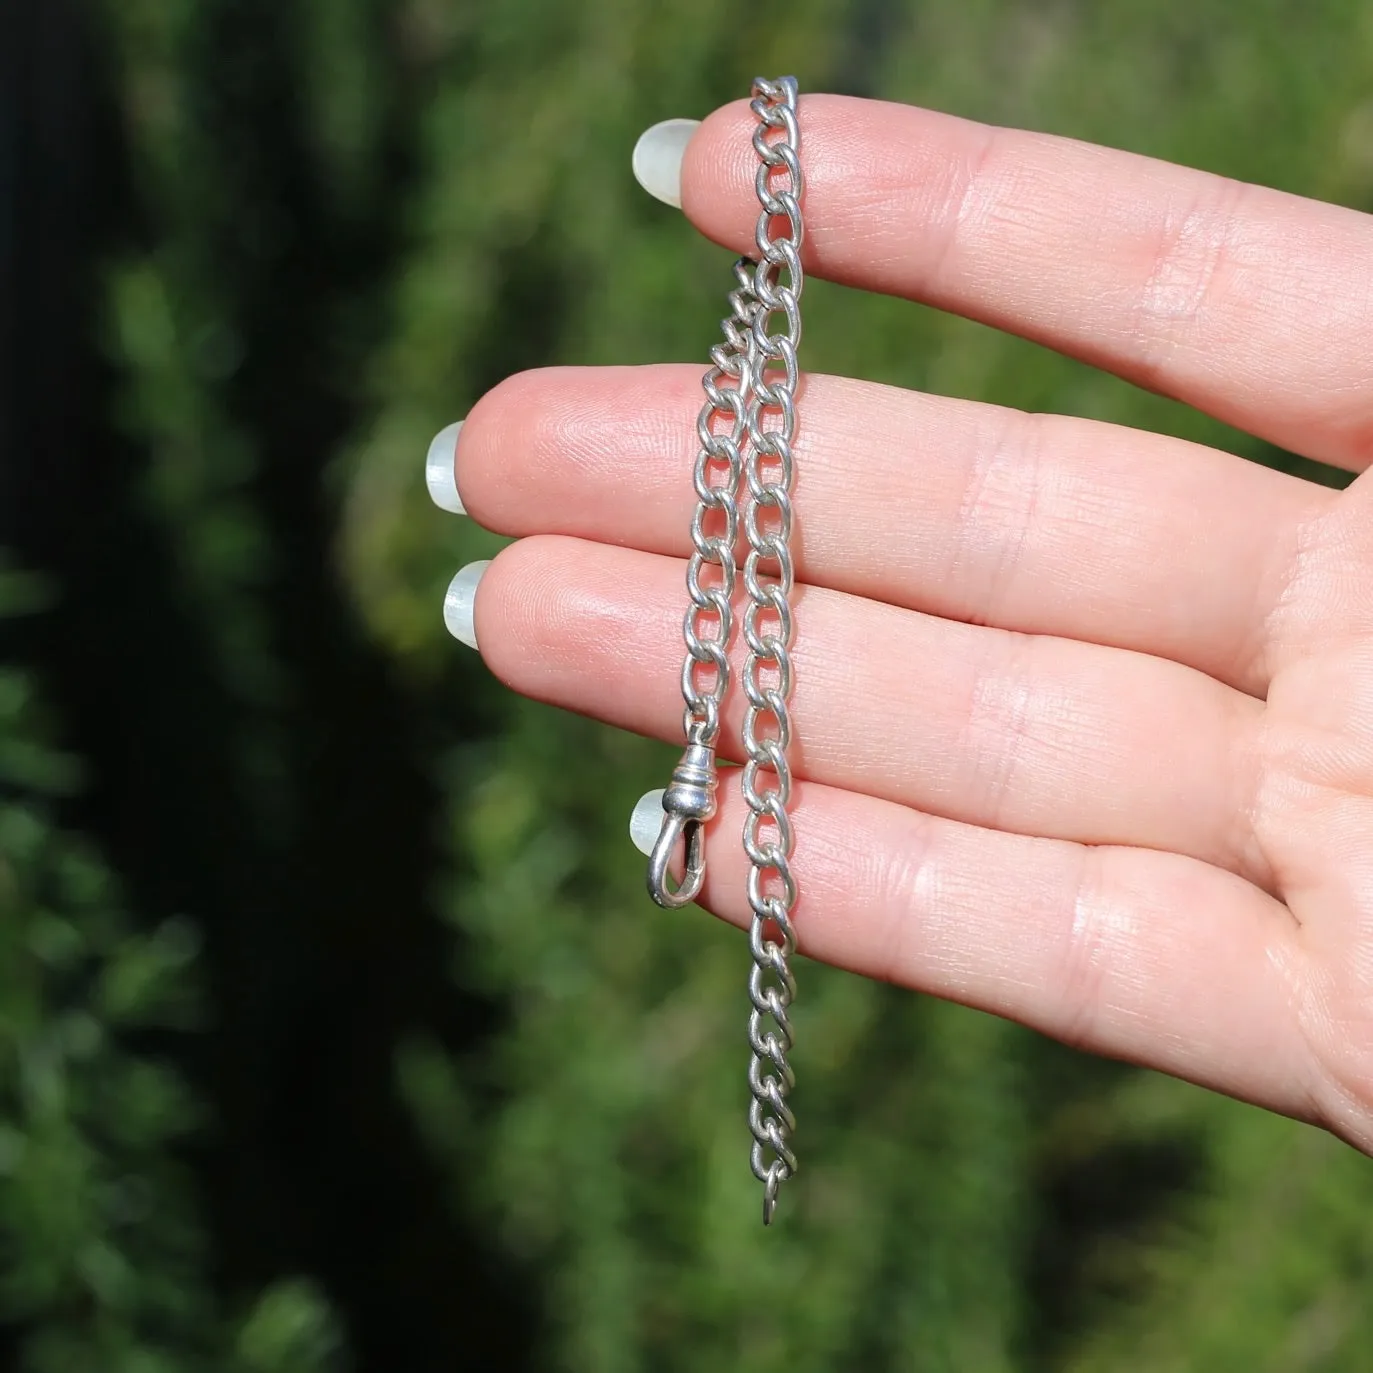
1085,715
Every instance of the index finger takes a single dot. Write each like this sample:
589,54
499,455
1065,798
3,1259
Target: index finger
1248,303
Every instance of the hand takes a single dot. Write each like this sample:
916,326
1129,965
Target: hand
1084,715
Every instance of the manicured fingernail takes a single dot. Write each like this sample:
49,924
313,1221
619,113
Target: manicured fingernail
646,821
658,158
440,470
460,602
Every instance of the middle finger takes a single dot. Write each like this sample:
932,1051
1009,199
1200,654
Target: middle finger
1030,734
1037,523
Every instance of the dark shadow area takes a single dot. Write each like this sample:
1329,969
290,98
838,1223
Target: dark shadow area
1305,468
322,951
1095,1199
1072,1279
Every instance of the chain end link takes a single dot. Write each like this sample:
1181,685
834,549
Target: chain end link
770,1190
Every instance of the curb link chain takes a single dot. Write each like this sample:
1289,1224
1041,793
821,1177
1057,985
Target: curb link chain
689,801
768,631
760,409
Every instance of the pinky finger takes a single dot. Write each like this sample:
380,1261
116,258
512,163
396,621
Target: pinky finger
1151,957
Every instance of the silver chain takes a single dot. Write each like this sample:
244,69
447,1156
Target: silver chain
768,632
759,408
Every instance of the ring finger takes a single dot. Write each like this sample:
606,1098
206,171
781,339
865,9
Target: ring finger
1031,734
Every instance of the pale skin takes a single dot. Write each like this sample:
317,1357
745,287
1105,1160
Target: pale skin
1084,714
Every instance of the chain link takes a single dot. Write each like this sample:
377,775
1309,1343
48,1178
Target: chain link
689,801
719,463
768,628
746,428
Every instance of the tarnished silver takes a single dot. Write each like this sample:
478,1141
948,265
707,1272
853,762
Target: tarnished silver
760,410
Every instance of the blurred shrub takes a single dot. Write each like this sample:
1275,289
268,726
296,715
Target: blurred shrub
102,1261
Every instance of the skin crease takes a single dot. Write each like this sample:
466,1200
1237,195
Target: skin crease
1084,716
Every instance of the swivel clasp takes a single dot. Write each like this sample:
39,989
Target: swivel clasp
688,803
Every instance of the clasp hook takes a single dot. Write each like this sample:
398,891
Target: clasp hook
688,803
677,827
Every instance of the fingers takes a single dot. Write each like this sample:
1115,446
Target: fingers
1149,957
1245,302
1035,523
1034,735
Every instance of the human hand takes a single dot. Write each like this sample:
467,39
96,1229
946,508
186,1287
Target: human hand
1084,715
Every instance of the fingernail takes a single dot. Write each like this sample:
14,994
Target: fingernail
646,821
440,470
658,158
460,601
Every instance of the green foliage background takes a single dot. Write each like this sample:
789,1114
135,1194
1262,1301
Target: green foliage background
397,1068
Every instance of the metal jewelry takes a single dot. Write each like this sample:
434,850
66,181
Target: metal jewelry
746,427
